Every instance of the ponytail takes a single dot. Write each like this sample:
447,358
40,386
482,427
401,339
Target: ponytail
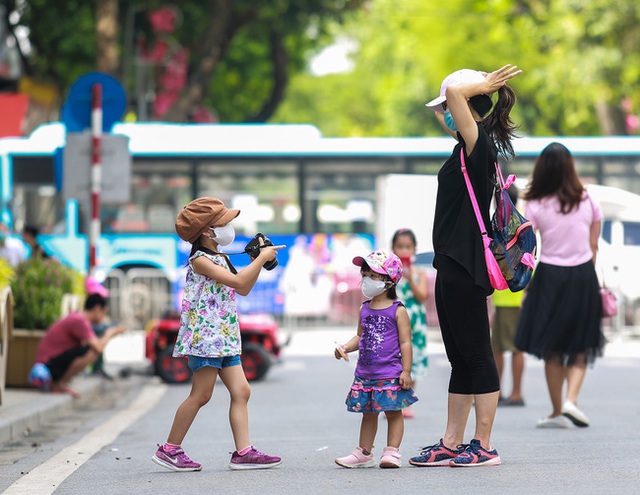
499,125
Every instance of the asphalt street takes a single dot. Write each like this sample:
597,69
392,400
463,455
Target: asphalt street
298,413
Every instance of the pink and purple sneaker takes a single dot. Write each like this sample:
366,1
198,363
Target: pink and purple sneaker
254,459
174,459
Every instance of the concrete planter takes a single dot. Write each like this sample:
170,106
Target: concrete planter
23,345
6,329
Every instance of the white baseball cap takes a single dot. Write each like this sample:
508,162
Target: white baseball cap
462,76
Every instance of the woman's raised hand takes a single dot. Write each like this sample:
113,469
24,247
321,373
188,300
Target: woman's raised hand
499,78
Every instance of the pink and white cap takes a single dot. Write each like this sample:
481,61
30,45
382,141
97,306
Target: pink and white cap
382,262
462,76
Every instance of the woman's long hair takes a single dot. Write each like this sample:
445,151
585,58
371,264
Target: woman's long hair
555,174
498,124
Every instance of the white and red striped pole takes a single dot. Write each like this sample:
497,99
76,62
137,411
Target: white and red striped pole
96,173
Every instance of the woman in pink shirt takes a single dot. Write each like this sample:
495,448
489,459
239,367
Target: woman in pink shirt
561,314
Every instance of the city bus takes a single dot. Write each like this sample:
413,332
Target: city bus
320,196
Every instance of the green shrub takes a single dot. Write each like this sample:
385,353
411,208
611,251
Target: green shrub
38,287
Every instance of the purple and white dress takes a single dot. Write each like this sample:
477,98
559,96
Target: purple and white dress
376,386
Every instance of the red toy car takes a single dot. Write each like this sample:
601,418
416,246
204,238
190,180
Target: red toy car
260,347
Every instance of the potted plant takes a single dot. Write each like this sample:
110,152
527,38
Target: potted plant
39,288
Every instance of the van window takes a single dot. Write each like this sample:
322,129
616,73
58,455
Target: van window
631,233
606,230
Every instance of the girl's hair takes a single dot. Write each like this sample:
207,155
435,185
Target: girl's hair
498,124
391,291
400,232
555,174
194,247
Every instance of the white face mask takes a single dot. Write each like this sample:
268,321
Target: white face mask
224,235
372,288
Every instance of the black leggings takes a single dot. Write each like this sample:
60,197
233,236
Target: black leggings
464,323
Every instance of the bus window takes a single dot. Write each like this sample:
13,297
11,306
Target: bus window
159,190
265,190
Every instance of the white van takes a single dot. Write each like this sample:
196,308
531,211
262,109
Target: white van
619,248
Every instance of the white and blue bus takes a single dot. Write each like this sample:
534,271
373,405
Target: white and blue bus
315,194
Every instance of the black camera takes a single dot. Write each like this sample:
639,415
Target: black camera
253,249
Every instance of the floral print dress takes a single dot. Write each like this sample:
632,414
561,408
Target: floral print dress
209,318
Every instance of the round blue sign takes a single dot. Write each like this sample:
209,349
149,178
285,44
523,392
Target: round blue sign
76,111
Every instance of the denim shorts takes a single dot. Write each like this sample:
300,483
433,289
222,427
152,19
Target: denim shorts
197,362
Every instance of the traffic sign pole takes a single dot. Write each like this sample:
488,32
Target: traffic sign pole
96,173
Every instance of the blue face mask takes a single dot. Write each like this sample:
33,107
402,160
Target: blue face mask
448,120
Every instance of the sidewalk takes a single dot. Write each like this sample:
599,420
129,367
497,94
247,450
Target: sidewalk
25,410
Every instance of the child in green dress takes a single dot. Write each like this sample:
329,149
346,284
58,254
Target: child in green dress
412,291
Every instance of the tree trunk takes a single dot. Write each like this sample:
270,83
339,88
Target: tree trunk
610,119
107,36
216,40
279,59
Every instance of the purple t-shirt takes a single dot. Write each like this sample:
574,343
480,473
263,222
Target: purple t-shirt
379,348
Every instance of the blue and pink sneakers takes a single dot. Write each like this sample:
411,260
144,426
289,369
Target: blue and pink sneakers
463,456
476,455
436,455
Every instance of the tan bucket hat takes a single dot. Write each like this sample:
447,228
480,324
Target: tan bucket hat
199,215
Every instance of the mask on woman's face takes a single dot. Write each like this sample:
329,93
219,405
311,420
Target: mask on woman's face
372,288
224,235
449,122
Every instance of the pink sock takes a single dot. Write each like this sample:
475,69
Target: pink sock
245,450
170,446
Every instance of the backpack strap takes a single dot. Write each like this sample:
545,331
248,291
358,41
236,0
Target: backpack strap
472,196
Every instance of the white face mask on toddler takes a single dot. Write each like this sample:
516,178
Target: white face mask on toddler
225,235
372,288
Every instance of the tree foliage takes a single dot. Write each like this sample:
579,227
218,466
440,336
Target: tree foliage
580,60
240,51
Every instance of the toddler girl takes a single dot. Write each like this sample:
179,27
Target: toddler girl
383,373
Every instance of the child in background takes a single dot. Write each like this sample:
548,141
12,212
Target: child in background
503,332
209,334
383,374
412,291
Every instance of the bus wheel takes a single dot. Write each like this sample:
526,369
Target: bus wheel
255,361
170,369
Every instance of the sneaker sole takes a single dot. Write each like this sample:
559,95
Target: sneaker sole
491,462
430,464
576,421
548,425
172,467
389,465
254,466
368,464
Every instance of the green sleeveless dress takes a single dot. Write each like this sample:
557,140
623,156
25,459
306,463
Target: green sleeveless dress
418,319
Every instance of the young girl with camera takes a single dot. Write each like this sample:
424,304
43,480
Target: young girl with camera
209,334
383,374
